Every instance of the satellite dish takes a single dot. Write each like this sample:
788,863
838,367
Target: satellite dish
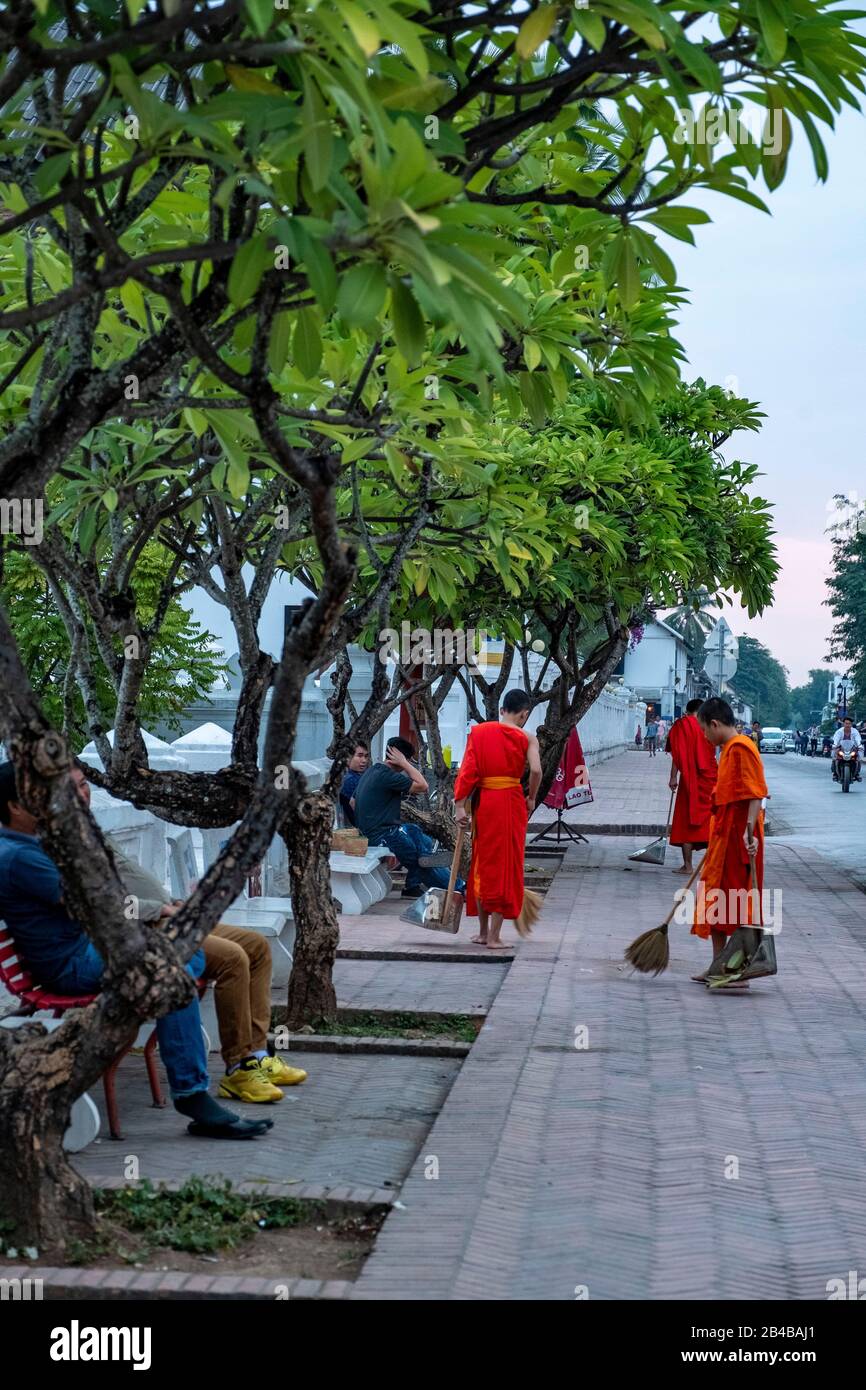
721,653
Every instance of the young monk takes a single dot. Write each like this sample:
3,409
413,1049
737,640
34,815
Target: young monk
496,757
693,777
736,841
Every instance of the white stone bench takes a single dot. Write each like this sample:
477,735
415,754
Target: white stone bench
359,881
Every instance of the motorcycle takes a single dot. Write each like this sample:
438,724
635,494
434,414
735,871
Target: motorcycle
846,767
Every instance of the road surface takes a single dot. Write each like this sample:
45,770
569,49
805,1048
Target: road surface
807,808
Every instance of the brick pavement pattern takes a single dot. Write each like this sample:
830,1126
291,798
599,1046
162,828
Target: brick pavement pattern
564,1170
630,794
356,1121
430,987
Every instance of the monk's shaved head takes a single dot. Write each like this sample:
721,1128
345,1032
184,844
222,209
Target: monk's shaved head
693,706
716,711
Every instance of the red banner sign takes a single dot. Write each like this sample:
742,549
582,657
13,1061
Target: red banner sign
571,785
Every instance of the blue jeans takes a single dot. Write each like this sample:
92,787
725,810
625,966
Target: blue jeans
407,842
181,1044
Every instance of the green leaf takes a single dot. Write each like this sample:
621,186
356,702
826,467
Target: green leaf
278,346
362,28
745,195
531,353
407,321
238,477
627,272
362,294
775,164
134,9
261,13
321,274
535,30
819,154
698,62
591,27
318,139
110,499
676,221
247,269
196,421
773,30
307,344
51,171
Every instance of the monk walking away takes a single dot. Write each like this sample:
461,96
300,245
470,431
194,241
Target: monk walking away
693,778
496,758
724,899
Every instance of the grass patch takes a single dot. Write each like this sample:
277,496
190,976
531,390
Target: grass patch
203,1216
457,1027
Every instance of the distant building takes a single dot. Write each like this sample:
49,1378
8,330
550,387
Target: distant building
657,670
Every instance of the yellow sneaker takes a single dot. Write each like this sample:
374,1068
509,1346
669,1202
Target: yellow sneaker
277,1072
248,1082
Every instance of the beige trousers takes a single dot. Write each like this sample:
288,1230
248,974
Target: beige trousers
239,964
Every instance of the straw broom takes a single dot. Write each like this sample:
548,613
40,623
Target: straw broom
650,952
529,913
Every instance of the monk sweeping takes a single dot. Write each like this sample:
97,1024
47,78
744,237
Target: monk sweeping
736,841
693,777
497,755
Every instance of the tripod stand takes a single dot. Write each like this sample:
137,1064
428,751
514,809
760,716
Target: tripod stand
563,831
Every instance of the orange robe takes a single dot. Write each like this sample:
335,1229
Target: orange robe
695,761
723,902
490,773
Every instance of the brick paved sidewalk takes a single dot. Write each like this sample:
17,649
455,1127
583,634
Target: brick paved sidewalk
630,795
604,1169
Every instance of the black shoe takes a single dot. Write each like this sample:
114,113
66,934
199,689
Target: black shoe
412,892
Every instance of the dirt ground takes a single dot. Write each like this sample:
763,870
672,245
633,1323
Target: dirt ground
335,1250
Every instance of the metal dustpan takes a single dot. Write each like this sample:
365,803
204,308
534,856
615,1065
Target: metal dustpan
655,853
652,854
440,909
430,911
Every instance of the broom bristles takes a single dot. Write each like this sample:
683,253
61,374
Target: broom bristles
650,952
529,913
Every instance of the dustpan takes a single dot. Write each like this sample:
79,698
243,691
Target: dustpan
749,954
655,853
440,909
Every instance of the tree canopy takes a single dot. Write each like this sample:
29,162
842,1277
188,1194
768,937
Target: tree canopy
763,683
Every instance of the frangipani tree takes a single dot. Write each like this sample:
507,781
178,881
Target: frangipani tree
273,235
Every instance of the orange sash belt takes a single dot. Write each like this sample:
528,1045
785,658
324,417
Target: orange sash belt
496,784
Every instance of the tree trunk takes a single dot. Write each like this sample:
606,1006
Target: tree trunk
43,1200
317,933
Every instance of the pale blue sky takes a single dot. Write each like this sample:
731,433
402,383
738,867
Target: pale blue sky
778,302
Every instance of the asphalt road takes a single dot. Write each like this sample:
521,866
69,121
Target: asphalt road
807,808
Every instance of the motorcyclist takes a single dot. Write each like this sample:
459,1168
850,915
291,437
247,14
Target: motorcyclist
846,738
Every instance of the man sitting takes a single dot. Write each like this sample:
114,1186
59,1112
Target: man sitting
239,964
358,764
60,956
377,810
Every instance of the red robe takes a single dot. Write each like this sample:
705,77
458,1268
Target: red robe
723,901
495,752
695,760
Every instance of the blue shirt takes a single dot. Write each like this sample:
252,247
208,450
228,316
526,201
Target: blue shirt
347,791
46,937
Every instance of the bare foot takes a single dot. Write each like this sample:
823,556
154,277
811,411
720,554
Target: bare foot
498,946
479,940
685,869
701,979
